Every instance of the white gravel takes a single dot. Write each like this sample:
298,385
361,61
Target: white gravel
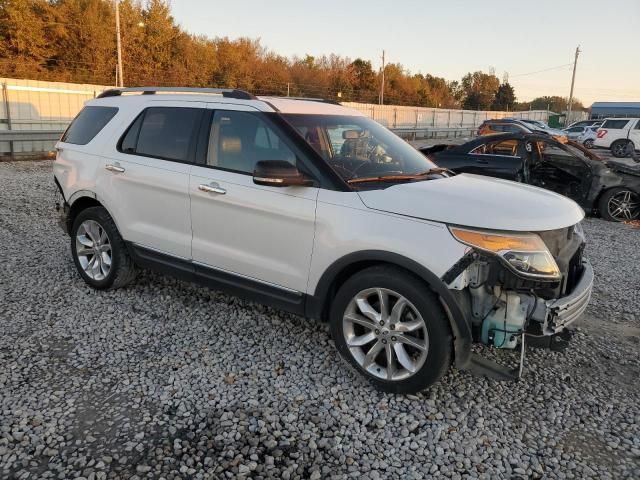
168,379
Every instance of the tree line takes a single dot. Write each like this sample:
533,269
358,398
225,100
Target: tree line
74,41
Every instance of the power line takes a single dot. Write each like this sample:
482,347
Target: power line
544,70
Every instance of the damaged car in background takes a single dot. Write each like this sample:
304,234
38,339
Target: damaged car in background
609,188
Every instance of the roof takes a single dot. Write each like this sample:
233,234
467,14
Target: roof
300,105
503,136
285,105
616,105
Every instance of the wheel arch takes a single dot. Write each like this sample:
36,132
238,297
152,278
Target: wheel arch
81,200
317,305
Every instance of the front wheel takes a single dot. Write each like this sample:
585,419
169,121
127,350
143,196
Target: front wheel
392,329
99,252
619,204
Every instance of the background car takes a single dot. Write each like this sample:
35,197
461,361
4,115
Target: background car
584,135
513,125
609,188
620,135
586,123
539,126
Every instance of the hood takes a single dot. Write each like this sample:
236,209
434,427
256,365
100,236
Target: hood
477,201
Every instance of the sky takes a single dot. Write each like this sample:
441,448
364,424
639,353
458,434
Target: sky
450,38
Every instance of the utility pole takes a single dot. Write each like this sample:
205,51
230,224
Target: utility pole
382,83
573,79
120,79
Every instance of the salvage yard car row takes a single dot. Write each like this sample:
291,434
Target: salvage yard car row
608,188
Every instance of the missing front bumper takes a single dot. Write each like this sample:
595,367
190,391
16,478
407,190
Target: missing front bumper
557,314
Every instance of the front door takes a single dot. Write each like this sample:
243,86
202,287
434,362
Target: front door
556,167
255,232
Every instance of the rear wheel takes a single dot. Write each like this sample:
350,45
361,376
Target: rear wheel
99,252
619,205
392,329
588,143
620,148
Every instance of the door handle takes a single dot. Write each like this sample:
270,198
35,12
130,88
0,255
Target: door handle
114,168
212,188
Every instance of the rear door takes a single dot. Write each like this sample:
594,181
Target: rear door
634,134
252,232
146,185
500,159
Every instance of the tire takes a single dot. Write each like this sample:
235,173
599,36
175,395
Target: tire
588,144
619,204
93,231
416,319
619,148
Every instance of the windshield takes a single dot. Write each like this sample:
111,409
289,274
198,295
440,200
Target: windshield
359,148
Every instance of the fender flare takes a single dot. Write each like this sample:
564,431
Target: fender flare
77,195
460,328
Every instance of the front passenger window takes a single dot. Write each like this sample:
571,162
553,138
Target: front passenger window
239,140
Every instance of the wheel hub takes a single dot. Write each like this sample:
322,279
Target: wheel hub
386,334
624,206
93,250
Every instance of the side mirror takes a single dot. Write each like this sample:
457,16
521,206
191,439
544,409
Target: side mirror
279,173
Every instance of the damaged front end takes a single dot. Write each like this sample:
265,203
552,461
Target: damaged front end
514,286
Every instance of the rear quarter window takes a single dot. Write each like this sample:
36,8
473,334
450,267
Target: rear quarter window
88,124
615,124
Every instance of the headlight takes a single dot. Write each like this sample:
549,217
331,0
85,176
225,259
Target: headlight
526,254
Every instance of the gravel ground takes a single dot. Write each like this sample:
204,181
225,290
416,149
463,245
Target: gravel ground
168,379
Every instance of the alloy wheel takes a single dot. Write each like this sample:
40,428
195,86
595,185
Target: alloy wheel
588,143
624,205
385,334
620,149
93,249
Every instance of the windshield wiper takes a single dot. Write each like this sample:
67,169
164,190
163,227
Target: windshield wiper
399,178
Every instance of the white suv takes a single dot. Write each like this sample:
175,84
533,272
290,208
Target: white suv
316,209
621,135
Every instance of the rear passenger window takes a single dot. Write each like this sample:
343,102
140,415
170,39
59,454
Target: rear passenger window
88,124
505,148
162,132
615,124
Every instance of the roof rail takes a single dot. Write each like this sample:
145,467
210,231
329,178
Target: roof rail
225,92
307,99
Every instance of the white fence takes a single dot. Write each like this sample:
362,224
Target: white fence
393,116
30,105
46,108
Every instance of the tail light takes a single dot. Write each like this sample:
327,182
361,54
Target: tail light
602,133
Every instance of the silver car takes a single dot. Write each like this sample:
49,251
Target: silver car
584,135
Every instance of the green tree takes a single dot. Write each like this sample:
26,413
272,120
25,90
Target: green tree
505,98
479,90
555,103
